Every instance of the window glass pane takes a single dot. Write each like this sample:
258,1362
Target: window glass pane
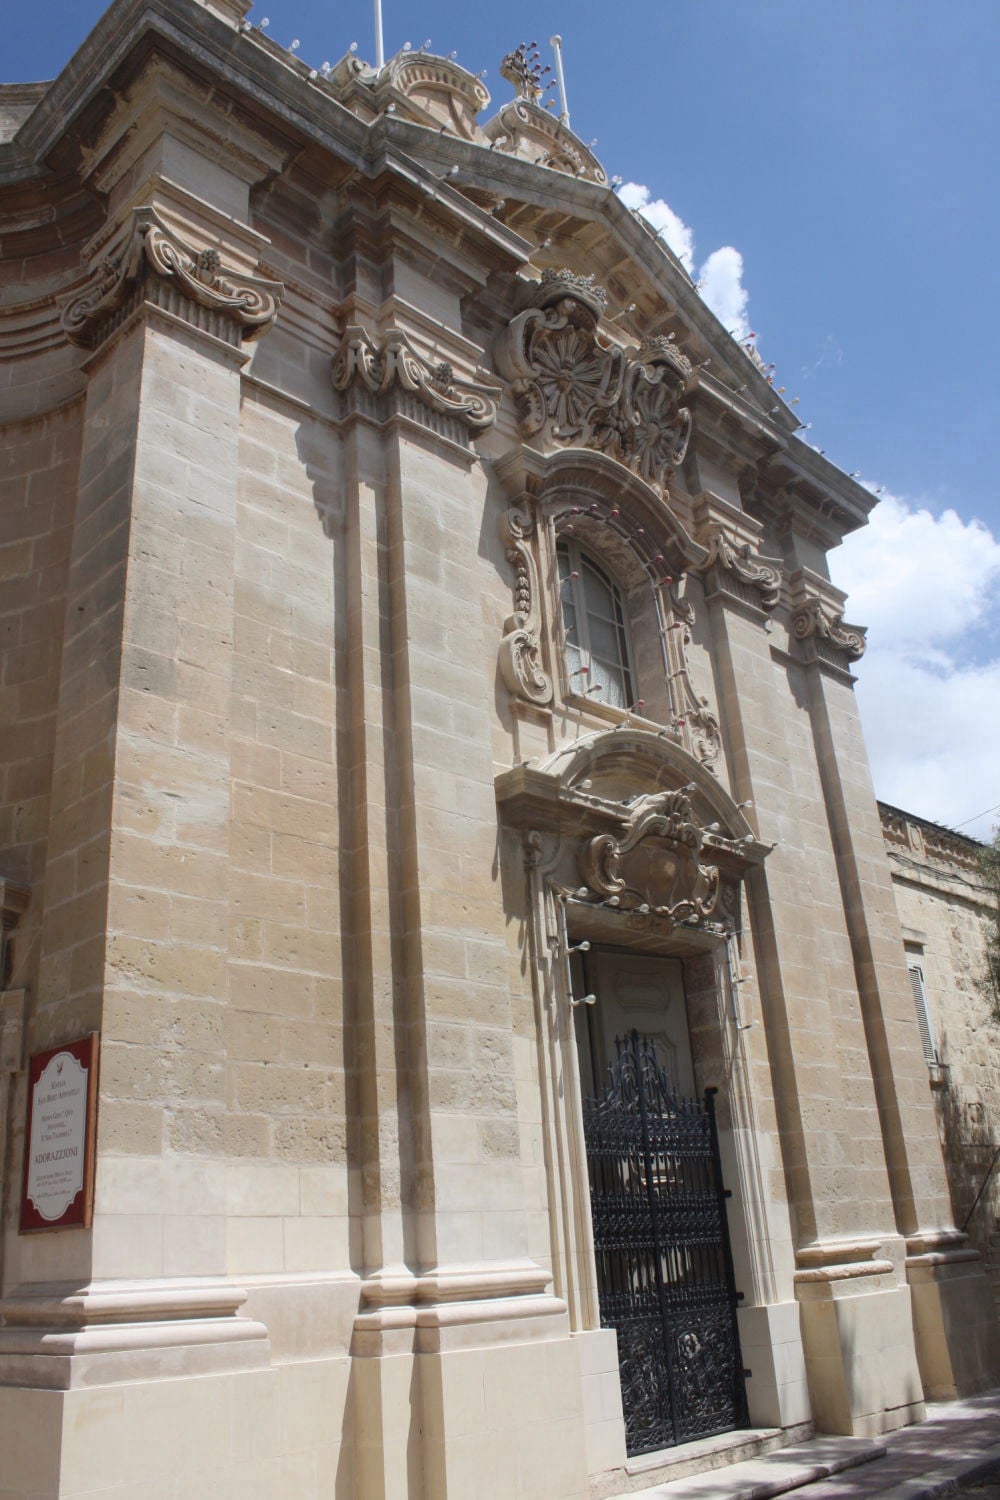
612,681
597,591
594,631
605,639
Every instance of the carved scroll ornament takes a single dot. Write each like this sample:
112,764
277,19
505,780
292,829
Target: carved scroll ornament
520,649
395,362
740,560
654,865
814,618
199,275
587,392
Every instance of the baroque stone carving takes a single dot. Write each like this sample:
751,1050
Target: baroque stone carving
691,711
249,302
654,864
744,563
817,619
520,650
416,86
523,128
590,393
395,362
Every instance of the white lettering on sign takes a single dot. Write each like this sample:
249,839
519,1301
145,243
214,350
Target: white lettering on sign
58,1134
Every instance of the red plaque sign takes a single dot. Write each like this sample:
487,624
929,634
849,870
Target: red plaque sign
62,1117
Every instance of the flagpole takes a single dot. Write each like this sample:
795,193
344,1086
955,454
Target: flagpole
379,44
555,42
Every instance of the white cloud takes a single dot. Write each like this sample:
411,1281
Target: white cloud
720,279
663,219
926,586
722,289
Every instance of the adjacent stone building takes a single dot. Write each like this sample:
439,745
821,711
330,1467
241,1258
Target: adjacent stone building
422,673
946,910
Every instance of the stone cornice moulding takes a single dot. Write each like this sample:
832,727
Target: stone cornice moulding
574,388
48,1331
379,366
248,303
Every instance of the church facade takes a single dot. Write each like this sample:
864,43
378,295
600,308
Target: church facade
438,841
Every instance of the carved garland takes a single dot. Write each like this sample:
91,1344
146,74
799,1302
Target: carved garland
377,368
589,393
248,301
520,649
678,887
692,710
814,618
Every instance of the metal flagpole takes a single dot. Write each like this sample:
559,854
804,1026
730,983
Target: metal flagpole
379,44
555,43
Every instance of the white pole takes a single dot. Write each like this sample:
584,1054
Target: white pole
555,42
379,43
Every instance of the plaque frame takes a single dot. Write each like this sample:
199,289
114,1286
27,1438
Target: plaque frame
78,1214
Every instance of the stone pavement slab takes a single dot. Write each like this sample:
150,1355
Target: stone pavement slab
957,1445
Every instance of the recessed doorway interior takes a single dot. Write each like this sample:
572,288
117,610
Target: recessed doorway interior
661,1241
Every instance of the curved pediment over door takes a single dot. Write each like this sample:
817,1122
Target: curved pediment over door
628,823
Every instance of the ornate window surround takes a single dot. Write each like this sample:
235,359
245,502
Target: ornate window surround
596,501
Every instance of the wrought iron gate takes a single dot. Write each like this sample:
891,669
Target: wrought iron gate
664,1267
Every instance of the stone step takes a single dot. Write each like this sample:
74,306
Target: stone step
773,1472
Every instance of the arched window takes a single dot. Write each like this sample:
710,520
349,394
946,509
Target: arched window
598,658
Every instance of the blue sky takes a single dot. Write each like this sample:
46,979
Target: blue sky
847,151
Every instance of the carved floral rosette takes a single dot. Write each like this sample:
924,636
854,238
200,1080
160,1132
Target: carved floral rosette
248,304
654,865
378,367
585,392
520,649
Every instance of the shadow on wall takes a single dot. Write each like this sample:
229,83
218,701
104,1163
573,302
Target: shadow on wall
970,1137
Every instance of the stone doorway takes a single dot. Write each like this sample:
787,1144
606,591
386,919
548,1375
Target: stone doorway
661,1243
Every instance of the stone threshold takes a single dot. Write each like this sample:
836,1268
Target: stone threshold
771,1470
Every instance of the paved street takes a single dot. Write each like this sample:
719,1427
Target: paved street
957,1449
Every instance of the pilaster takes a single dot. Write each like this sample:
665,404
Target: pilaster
449,1280
849,1279
136,891
943,1273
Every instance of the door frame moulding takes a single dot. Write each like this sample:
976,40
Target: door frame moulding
595,820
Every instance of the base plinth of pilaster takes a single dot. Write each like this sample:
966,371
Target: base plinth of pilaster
857,1333
954,1318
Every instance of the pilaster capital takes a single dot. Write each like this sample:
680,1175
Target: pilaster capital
818,621
734,567
387,375
152,263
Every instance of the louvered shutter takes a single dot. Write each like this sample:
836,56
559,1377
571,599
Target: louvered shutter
923,1015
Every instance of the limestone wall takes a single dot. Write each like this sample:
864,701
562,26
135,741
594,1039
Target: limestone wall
944,912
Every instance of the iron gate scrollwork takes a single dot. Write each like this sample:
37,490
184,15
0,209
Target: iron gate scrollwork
664,1267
